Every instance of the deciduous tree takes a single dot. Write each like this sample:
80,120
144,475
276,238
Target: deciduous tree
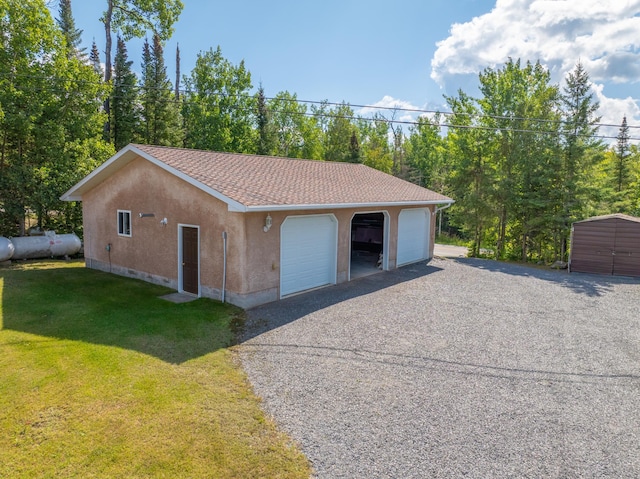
218,108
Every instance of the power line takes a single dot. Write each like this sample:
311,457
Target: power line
479,116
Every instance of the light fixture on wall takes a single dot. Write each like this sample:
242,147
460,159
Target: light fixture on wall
146,215
267,223
163,221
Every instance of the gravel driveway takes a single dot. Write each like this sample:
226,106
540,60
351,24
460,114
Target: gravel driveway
457,368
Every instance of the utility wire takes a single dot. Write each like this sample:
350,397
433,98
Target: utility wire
479,116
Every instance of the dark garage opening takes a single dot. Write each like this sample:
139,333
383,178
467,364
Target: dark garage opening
367,244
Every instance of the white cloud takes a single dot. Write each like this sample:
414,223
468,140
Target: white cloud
386,107
600,33
612,110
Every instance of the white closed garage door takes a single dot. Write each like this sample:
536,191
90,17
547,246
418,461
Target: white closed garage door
308,252
413,235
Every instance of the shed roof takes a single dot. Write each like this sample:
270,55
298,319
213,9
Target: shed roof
260,183
620,216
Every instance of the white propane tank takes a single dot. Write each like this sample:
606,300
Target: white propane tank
6,249
47,246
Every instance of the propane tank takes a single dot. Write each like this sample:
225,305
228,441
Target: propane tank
6,249
47,246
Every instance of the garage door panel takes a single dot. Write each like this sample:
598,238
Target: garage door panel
308,253
413,235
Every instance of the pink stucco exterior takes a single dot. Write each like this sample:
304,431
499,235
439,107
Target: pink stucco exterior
152,251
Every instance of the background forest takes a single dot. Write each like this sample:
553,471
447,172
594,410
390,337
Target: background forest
523,159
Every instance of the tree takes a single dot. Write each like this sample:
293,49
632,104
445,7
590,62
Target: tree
297,134
425,154
354,148
518,106
579,151
267,139
124,100
161,123
622,155
72,35
374,142
94,59
50,123
177,84
338,132
473,174
133,18
218,109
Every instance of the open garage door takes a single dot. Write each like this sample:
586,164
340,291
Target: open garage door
308,252
369,239
413,235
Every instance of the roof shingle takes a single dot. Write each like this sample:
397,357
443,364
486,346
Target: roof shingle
255,181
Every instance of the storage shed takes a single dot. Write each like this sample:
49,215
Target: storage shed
606,245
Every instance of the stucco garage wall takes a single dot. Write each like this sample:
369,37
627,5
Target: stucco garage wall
262,275
151,252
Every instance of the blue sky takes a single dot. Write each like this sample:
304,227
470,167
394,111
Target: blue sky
408,52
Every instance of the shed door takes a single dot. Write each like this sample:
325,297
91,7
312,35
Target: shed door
592,247
626,257
308,252
413,235
190,260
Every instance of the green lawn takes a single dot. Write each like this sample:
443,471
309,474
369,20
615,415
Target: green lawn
101,378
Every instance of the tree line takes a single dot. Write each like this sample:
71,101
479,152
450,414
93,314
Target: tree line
522,160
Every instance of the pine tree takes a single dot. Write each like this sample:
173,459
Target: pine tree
124,108
266,135
354,148
160,117
134,18
578,131
72,35
177,85
622,154
94,59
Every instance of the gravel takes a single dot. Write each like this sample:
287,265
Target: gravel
456,368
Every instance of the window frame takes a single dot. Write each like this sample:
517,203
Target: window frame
124,223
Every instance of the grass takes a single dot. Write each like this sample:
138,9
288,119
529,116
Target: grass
101,378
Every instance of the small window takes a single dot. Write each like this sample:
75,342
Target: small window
124,223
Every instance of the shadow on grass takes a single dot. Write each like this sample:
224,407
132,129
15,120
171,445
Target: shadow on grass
592,285
273,315
74,303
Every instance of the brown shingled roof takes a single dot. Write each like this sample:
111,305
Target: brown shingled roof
266,180
269,182
621,216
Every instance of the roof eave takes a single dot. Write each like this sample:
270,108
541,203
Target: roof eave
332,206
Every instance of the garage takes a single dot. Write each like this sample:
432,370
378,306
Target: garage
413,235
606,245
308,252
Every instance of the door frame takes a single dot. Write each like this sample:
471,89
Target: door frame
181,226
